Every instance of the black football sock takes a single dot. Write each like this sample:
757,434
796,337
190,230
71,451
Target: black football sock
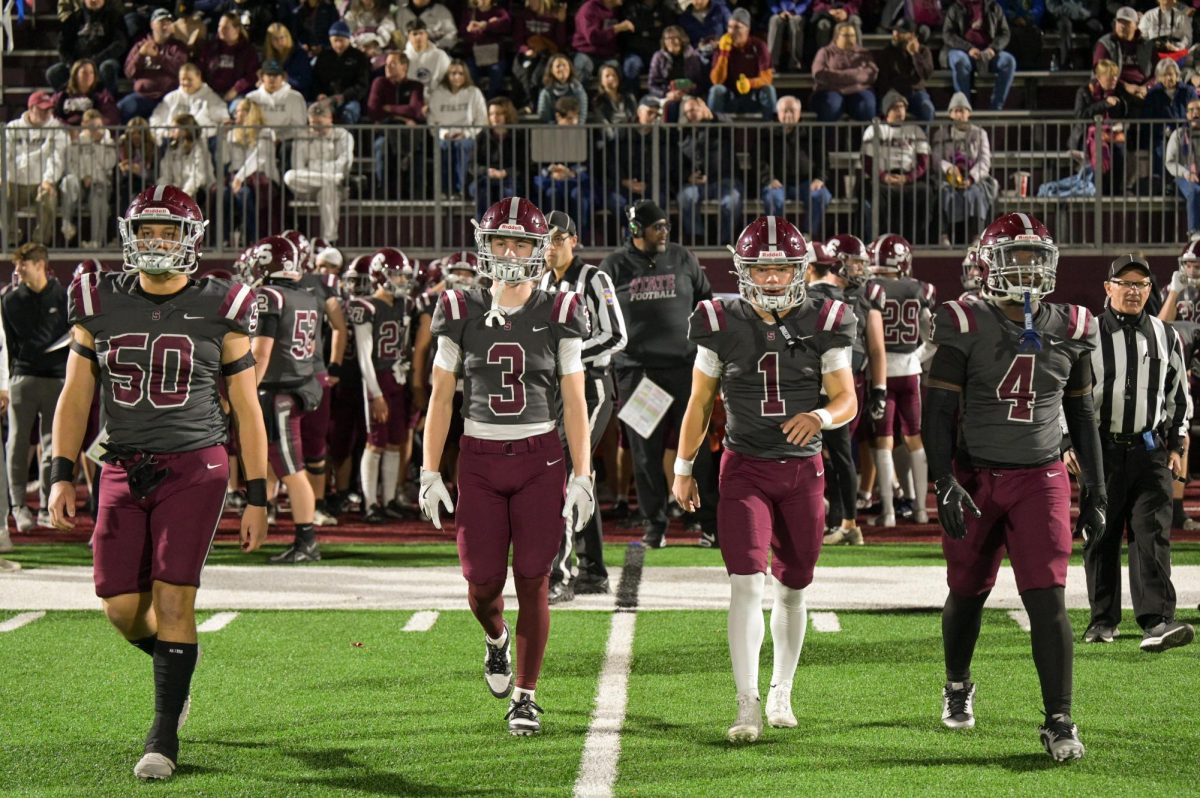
146,644
1053,646
961,618
306,534
1177,514
173,667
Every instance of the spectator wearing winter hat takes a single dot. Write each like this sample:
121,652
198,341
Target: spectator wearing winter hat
741,73
976,35
229,61
342,75
904,66
153,66
843,74
896,154
963,155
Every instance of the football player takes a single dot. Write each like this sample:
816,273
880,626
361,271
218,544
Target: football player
971,275
285,358
381,337
1183,295
515,347
770,354
906,314
158,342
348,426
1011,362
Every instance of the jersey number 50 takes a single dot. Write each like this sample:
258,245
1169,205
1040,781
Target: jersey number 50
166,383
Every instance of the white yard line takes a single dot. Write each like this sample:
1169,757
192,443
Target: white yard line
602,748
825,622
1021,617
421,621
24,619
217,622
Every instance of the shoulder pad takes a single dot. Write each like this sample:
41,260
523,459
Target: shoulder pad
1080,323
929,293
83,297
453,305
831,316
711,315
876,296
359,310
566,307
270,300
961,316
238,305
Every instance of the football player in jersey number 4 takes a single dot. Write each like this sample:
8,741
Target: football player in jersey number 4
158,341
1010,363
770,353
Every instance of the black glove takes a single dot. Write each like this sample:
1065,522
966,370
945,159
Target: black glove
1091,523
952,497
877,402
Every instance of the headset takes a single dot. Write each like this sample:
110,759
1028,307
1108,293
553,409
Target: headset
635,227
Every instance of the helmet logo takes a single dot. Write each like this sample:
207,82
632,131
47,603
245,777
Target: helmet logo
773,254
512,228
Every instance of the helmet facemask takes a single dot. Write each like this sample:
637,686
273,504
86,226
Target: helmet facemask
1189,269
774,298
1018,268
161,255
510,269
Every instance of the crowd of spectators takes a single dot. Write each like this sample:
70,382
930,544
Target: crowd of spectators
472,69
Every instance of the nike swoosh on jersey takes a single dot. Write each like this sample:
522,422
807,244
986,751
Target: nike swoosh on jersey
211,467
539,329
1051,473
554,462
193,318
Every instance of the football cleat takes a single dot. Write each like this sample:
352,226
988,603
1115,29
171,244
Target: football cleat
748,725
297,552
1099,633
497,666
154,766
401,512
654,538
585,584
375,515
24,518
234,501
920,517
1169,634
6,543
708,540
886,520
779,706
322,518
561,593
272,514
43,519
522,716
958,705
1061,738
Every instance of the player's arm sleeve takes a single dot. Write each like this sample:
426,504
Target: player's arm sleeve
609,335
448,356
364,343
1079,410
270,307
446,327
709,362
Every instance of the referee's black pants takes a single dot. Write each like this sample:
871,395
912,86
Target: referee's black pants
841,478
1139,499
588,543
652,488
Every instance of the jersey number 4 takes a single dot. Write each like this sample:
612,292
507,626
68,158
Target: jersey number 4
511,358
1017,389
166,383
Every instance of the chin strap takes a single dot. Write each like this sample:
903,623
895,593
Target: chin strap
1030,340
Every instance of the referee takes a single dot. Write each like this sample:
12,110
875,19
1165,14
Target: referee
566,272
1143,409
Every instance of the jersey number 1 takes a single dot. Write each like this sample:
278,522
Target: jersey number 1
772,403
1017,389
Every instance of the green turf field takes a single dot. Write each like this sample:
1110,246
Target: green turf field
345,703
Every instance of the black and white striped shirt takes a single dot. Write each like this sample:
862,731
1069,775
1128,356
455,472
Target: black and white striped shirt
1141,381
608,323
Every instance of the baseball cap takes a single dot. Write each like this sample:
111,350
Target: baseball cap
1127,262
561,222
272,67
741,15
339,28
1127,13
160,13
40,99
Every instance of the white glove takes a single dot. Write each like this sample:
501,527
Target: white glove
581,502
400,371
1177,281
433,492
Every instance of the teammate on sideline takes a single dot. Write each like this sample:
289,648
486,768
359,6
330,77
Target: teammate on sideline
515,346
158,341
769,353
1011,362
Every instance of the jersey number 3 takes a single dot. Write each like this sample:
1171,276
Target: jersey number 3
1017,389
169,375
511,400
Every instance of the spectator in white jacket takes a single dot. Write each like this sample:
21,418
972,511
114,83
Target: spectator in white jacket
457,113
186,163
35,149
321,162
282,106
437,18
427,63
1168,27
193,97
250,165
90,163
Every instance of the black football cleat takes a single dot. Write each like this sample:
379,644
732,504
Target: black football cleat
587,585
561,593
522,717
296,553
654,538
497,666
375,515
400,512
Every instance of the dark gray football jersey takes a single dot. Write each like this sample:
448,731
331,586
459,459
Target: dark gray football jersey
321,287
389,327
1011,399
903,300
160,363
763,383
1189,335
295,315
510,372
1187,304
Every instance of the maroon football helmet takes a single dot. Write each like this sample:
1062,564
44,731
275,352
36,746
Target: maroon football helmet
162,205
890,253
512,217
87,266
771,241
851,255
972,273
1017,256
302,243
1189,264
355,280
461,269
390,268
273,256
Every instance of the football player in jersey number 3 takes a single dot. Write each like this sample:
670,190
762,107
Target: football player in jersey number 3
158,341
514,346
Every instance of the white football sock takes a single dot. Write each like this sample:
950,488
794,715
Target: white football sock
498,641
920,475
746,629
521,691
391,473
885,472
789,621
370,477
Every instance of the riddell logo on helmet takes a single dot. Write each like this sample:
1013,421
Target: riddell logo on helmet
156,212
773,254
512,228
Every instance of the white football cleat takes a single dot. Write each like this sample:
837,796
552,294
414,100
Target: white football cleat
322,518
154,766
748,725
23,517
779,706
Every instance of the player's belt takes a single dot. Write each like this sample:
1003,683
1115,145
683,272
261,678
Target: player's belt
1149,439
140,469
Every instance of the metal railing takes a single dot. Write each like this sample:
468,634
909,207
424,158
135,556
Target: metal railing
419,187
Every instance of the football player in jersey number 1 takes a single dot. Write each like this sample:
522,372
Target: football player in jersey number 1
158,341
770,354
514,346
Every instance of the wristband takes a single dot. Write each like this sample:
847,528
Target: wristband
879,388
683,468
62,469
826,418
256,492
334,370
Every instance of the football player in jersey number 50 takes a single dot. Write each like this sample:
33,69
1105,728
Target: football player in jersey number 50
770,353
158,341
514,346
